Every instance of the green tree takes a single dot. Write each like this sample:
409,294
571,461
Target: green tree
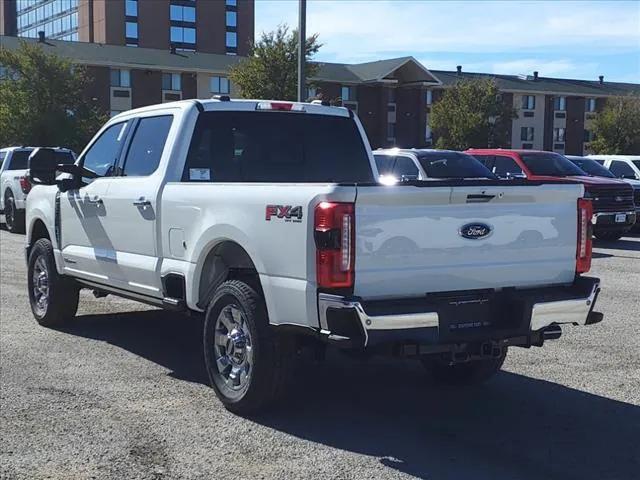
42,100
471,114
271,70
617,127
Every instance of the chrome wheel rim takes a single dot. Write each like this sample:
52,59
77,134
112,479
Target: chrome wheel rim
8,214
40,280
233,348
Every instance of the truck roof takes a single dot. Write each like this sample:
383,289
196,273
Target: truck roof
224,103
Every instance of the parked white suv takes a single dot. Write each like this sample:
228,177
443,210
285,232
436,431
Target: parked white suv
260,215
15,185
622,166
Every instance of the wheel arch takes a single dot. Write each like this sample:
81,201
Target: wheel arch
224,259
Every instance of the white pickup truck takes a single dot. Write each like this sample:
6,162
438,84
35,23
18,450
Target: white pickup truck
14,182
264,216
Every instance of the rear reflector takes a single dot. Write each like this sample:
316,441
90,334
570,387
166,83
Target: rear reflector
334,225
585,242
282,106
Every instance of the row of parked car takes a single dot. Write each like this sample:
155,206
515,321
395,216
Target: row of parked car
616,198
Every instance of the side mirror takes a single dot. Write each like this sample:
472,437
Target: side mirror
43,166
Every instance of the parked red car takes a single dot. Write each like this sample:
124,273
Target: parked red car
613,207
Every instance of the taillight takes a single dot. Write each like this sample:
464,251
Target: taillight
25,184
583,251
334,233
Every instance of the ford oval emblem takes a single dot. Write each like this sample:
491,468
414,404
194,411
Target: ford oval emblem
475,231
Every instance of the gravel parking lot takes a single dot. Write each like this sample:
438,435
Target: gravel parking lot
122,394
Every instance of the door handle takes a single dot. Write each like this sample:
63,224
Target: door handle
141,202
95,199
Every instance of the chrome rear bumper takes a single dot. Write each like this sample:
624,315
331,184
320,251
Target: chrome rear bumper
539,312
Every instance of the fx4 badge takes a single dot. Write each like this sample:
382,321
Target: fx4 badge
287,212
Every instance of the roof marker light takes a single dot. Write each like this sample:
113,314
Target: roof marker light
281,106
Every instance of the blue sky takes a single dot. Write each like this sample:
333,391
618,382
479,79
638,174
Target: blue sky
571,39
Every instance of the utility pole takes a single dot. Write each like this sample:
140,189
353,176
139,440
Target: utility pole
302,40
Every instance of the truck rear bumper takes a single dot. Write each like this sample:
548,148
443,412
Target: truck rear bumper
458,317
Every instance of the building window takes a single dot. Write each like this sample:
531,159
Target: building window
526,134
231,22
427,129
232,19
232,40
528,102
183,35
131,8
57,18
347,93
558,135
131,30
428,97
219,85
589,136
590,105
179,13
560,103
171,81
120,78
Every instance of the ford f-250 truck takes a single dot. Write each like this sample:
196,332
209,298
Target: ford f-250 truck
265,217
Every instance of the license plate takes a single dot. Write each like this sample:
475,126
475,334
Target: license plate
621,217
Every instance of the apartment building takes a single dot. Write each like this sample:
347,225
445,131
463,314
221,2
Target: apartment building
393,98
213,26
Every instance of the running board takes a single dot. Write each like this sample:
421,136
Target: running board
166,303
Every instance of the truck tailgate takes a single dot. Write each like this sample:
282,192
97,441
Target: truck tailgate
409,239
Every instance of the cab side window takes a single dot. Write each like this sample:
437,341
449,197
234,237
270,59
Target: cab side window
145,150
506,167
486,160
102,156
2,155
622,169
384,164
405,168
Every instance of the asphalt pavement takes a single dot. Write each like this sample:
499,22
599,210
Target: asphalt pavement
123,394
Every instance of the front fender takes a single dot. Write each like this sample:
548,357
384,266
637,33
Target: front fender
40,206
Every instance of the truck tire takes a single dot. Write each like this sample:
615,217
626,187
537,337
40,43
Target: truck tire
609,236
13,217
468,373
53,297
248,364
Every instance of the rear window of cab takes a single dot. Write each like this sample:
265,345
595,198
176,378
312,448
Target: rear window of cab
276,147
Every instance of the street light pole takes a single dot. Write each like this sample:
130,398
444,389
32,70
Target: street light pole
302,27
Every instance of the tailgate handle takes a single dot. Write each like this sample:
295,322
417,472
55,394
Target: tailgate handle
479,198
